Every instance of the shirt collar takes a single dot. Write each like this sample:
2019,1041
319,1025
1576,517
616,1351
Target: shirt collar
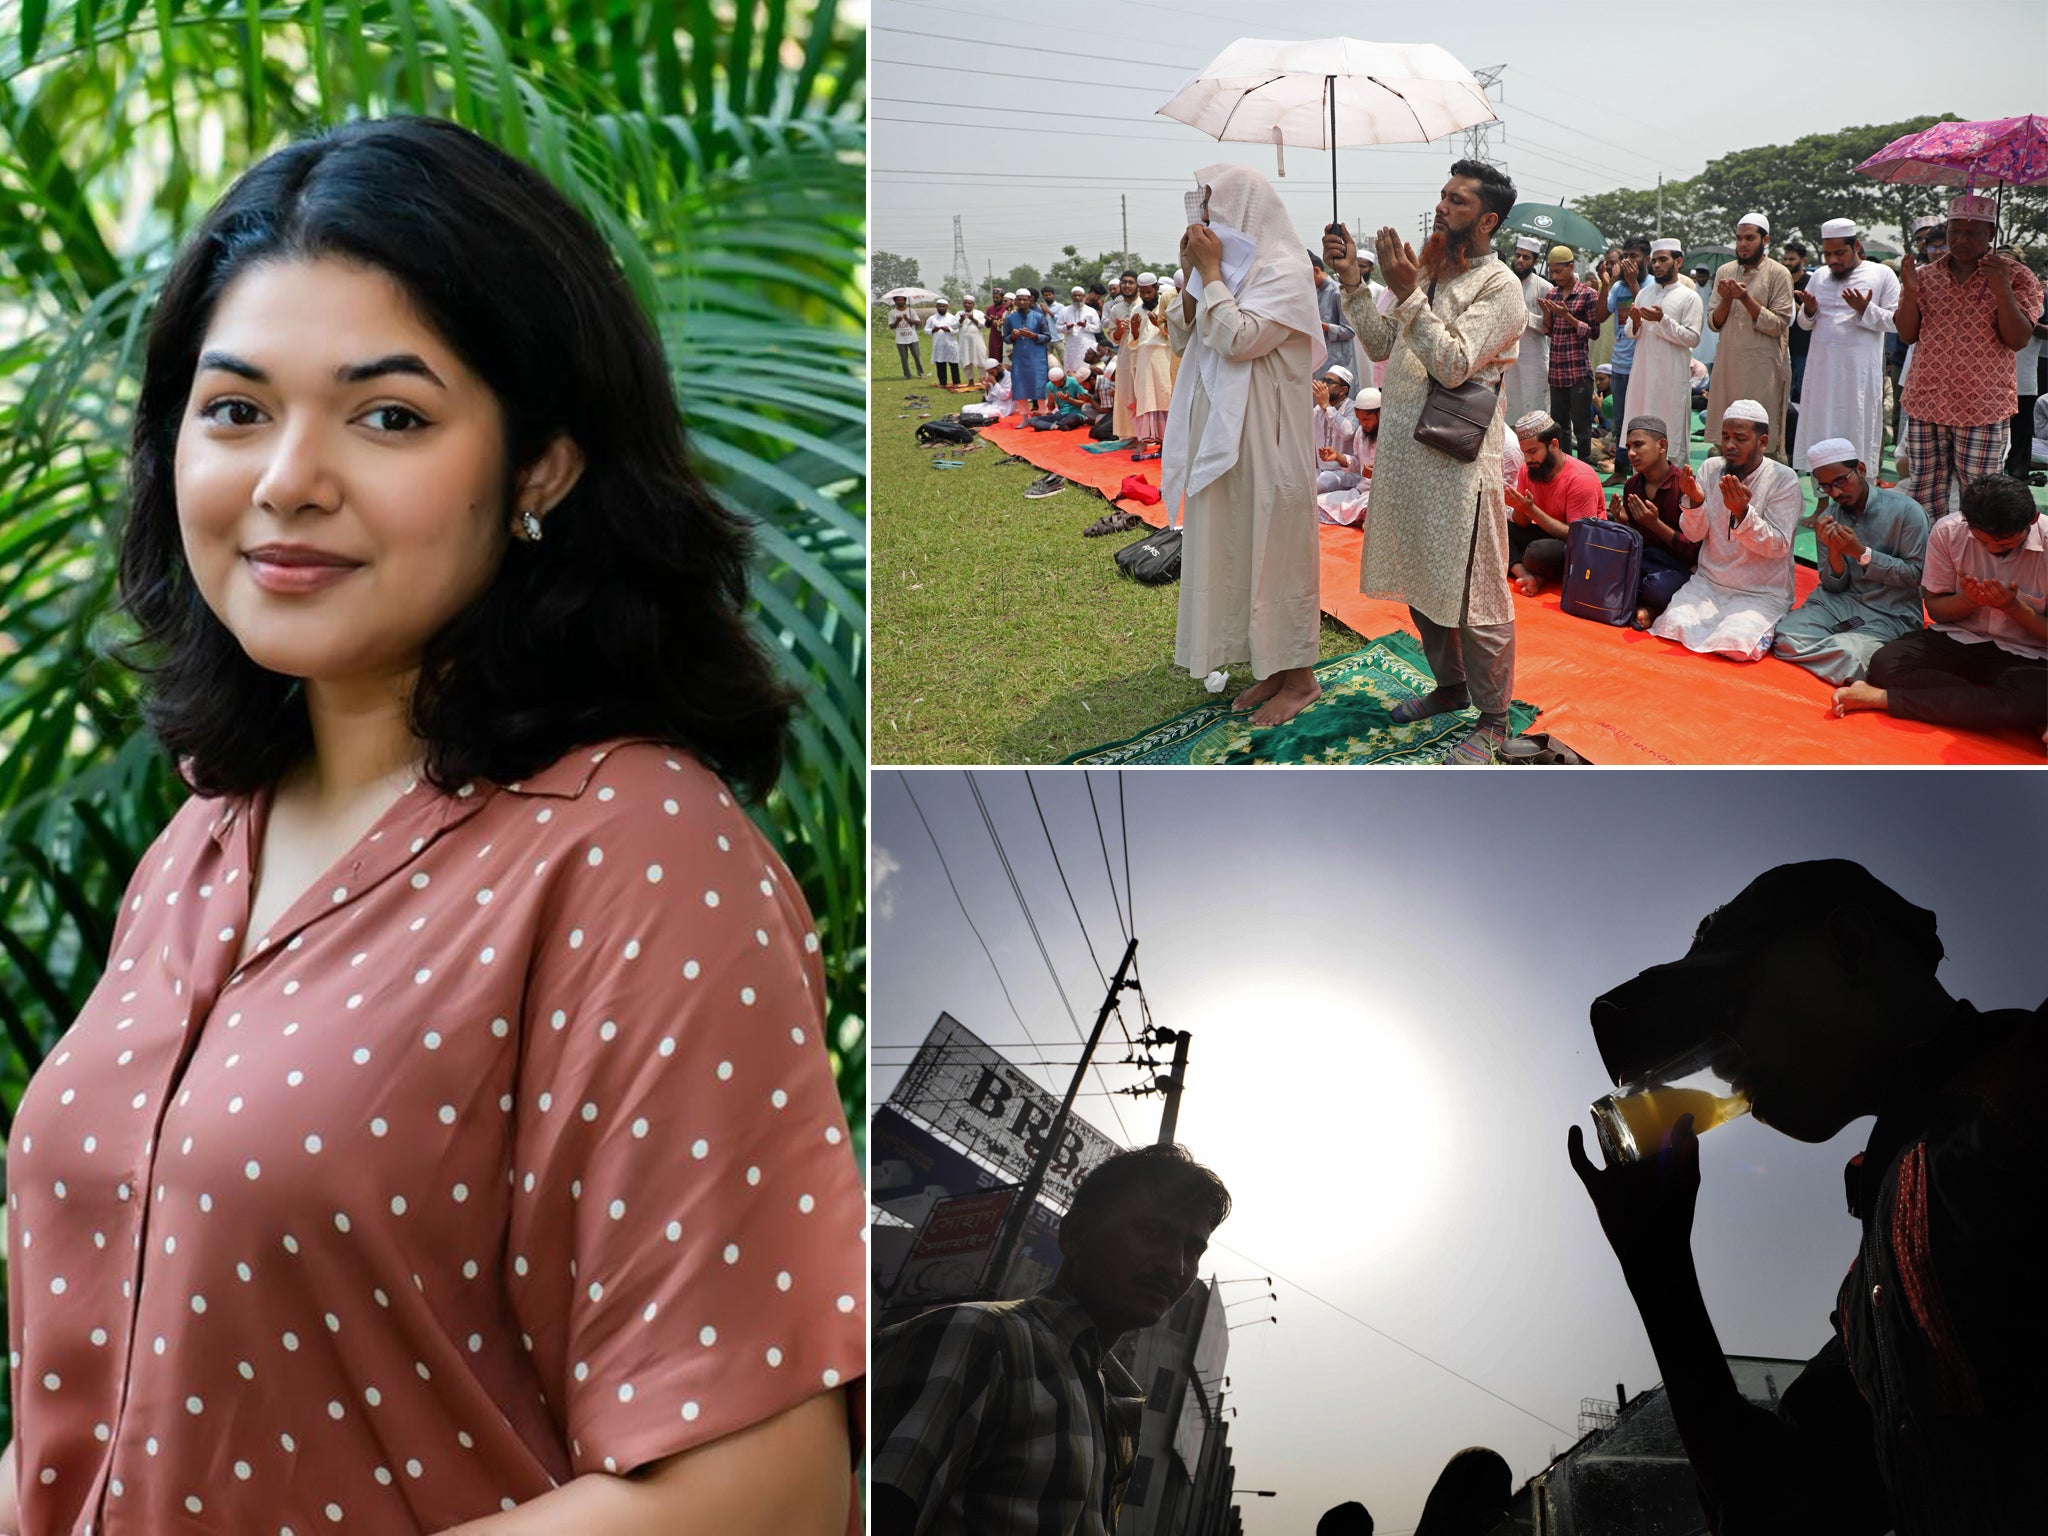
1062,1312
1923,1074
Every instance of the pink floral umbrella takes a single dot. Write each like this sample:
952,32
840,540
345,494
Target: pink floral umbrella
2008,149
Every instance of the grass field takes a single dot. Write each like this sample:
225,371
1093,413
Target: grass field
1000,634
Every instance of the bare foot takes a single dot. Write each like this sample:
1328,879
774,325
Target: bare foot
1257,694
1298,690
1858,696
1529,585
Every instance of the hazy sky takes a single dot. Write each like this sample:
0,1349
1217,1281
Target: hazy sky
1386,975
1029,122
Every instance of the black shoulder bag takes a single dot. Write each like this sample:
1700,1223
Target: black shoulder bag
1454,421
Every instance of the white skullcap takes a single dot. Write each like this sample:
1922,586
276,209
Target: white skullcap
1535,422
1023,293
1603,367
1747,410
1928,221
1528,243
1082,370
1665,245
1148,279
1339,371
1982,209
1169,283
1079,289
1836,450
1368,400
1757,219
1055,373
1839,229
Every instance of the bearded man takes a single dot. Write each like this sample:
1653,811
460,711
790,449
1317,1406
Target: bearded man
1750,309
1437,539
1527,386
1665,320
1848,308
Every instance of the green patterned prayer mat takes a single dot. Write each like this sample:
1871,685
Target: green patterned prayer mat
1348,724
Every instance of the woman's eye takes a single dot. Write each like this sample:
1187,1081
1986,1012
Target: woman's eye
397,418
230,413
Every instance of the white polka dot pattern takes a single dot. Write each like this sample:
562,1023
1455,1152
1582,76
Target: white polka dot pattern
326,1173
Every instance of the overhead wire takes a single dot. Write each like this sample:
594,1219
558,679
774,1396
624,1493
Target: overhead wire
1398,1343
1103,842
1017,889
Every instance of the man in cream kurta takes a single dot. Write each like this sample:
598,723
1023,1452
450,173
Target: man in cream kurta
1749,304
1666,319
1848,308
1743,583
1527,385
1249,587
1437,536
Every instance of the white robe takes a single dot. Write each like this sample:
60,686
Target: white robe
1743,585
1079,326
1843,393
973,347
1660,380
944,331
1526,386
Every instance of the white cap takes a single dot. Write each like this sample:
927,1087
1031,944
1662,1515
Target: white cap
1535,422
1148,279
1836,450
1757,219
1603,367
1746,410
1168,285
1928,221
1339,371
1528,243
1023,293
1077,288
1665,245
1056,373
1081,370
1368,400
1982,209
1839,229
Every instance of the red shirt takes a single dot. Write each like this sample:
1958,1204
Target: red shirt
1962,373
1571,493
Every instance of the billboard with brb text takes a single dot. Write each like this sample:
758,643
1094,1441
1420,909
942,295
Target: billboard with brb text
972,1097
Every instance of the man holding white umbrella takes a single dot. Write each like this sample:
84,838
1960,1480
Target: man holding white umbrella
1437,537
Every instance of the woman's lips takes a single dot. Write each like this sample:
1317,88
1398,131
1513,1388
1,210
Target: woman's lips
291,572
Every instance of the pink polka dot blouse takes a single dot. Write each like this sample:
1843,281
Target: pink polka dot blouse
510,1154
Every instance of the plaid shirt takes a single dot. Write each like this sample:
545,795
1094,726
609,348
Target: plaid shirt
1571,340
1004,1419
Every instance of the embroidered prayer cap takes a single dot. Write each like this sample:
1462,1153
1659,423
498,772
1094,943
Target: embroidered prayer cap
1757,219
1928,221
1969,206
1747,410
1341,372
1562,253
1368,399
1528,243
1834,450
1839,229
1654,425
1535,422
1665,245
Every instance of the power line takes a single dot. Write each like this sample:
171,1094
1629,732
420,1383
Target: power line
1024,906
904,780
1628,149
1009,47
1006,74
1123,823
1122,928
1083,922
1343,1312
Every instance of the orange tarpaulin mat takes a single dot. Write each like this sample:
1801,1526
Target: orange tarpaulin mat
1615,695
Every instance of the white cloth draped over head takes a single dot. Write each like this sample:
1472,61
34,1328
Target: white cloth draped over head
1270,276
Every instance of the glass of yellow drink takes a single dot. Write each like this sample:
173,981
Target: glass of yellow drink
1639,1119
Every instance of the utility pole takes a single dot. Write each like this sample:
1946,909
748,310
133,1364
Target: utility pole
1020,1206
962,272
1171,1117
1124,202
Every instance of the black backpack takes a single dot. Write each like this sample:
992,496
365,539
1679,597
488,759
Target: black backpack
1154,559
929,432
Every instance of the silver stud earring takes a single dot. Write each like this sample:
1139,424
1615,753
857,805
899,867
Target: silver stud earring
530,525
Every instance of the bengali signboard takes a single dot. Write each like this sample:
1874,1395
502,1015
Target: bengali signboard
966,1092
953,1248
905,1159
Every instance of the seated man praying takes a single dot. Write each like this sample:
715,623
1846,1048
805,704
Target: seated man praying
1340,457
1652,501
1557,491
1745,527
1872,543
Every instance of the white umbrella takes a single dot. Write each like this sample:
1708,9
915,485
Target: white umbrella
1329,93
914,295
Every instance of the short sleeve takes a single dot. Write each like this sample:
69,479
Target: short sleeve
1938,574
685,1250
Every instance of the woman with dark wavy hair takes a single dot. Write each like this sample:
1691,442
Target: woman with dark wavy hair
450,1144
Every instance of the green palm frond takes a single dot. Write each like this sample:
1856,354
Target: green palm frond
720,147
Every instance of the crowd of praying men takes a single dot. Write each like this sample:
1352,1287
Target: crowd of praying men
1928,613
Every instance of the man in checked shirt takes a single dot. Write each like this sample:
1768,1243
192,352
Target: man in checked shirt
1000,1417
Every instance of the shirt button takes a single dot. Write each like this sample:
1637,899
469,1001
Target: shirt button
1877,1295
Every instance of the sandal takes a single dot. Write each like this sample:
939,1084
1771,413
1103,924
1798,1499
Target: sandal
1111,522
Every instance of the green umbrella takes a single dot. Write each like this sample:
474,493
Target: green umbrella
1560,226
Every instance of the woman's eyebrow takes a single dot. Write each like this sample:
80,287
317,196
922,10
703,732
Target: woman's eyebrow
348,373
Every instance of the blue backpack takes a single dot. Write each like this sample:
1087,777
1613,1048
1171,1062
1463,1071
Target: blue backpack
1603,562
